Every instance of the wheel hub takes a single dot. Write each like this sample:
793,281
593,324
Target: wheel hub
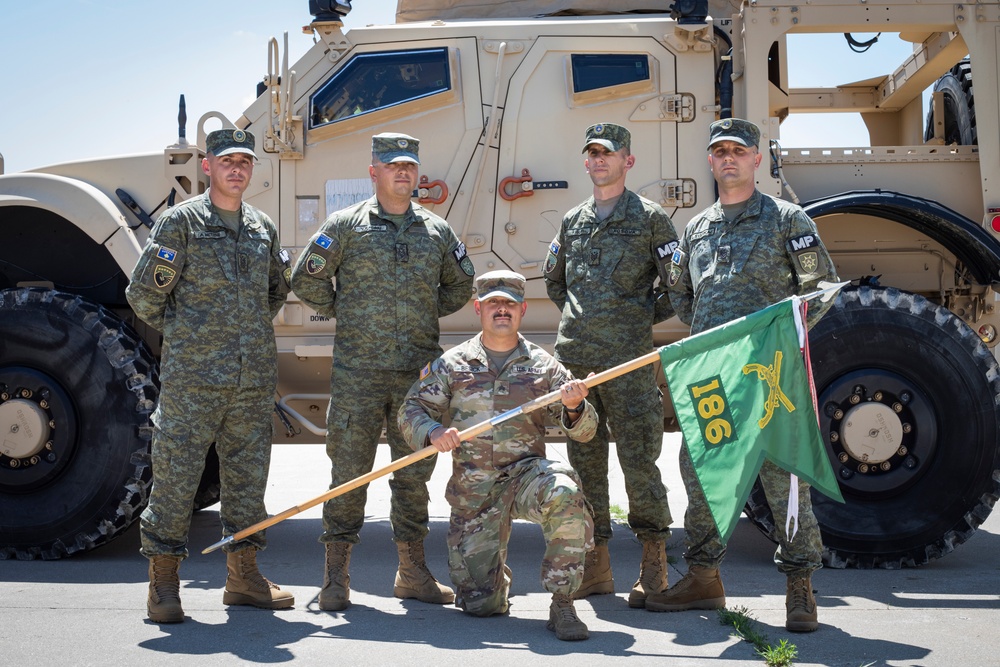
871,433
880,428
24,429
37,429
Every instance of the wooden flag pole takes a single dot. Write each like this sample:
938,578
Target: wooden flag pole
421,454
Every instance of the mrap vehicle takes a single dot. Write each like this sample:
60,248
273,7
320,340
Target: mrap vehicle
907,381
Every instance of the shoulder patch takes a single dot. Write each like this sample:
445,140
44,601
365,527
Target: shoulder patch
324,241
166,254
666,250
163,276
461,256
315,264
425,371
804,242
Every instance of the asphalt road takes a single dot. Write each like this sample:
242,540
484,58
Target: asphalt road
90,609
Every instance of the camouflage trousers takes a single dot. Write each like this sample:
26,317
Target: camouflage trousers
537,490
187,421
362,401
630,407
801,555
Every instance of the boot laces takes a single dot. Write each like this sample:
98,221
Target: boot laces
336,560
563,606
799,593
166,581
251,573
415,550
651,563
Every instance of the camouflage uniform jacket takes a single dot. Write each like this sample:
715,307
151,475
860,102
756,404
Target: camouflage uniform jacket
601,275
460,388
722,271
216,310
392,285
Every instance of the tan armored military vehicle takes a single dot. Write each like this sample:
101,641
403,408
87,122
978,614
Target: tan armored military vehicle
907,381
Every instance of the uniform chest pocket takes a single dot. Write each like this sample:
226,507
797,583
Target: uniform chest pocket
471,379
418,252
214,247
367,257
701,264
734,253
631,266
254,258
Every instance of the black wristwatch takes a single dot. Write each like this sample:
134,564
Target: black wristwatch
574,411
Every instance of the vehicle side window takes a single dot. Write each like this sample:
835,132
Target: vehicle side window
592,71
373,81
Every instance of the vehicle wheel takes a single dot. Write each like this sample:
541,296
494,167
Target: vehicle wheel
77,387
908,397
210,486
959,107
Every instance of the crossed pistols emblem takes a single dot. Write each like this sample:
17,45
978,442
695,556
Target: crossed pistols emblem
772,376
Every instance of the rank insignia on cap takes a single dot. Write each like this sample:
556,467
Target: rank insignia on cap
726,124
598,129
167,254
402,143
239,135
163,276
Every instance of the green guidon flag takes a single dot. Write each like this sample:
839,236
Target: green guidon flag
742,393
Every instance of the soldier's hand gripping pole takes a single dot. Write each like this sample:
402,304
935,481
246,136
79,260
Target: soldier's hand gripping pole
467,434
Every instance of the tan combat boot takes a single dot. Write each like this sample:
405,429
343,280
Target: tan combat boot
597,576
164,602
800,605
246,585
652,574
336,592
414,579
564,621
700,588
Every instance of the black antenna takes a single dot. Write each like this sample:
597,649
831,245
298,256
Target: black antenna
182,119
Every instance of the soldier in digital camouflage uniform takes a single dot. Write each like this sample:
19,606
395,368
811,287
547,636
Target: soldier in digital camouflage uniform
397,268
211,278
745,252
502,474
601,271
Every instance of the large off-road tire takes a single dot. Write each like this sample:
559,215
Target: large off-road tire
908,401
77,388
959,107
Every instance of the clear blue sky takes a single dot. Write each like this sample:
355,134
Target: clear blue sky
89,78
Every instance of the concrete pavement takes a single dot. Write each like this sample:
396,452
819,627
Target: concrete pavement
90,609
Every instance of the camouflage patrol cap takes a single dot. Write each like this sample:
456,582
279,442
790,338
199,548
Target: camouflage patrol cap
393,147
228,141
503,283
734,129
611,136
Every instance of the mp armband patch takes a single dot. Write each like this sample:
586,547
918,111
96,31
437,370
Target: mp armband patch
665,252
462,257
804,250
